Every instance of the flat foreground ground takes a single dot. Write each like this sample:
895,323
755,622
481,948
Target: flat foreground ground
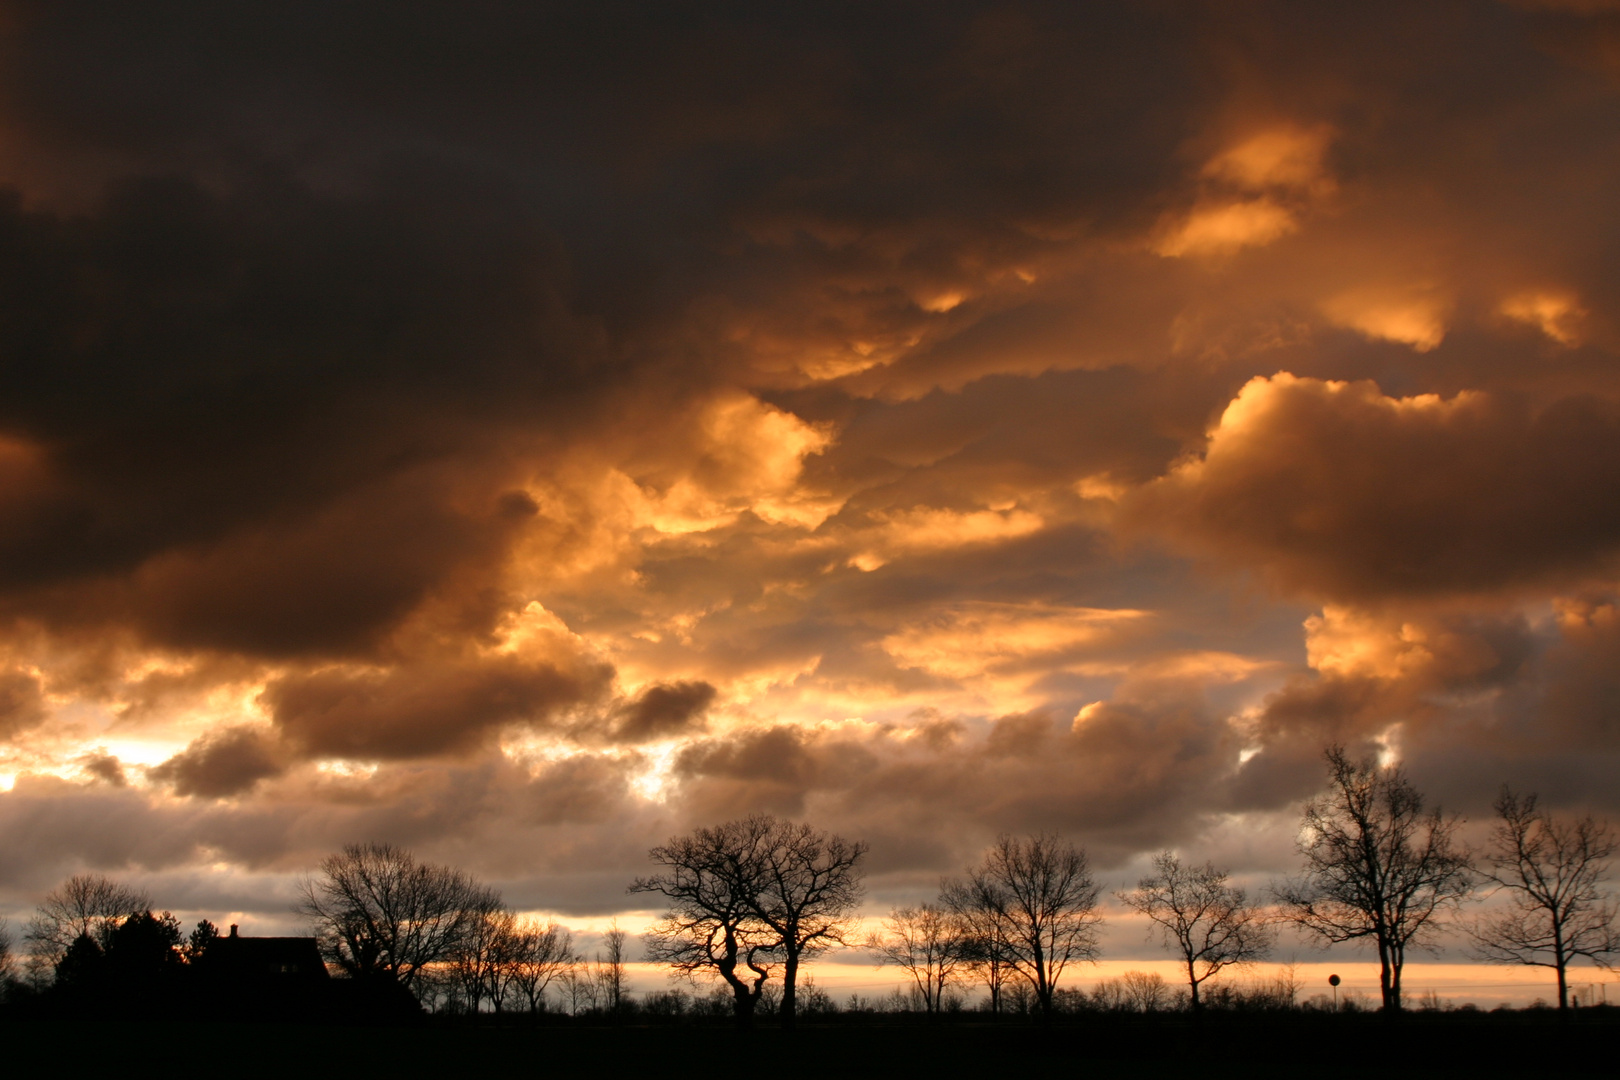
1428,1046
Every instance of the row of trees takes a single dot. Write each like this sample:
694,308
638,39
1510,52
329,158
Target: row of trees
1381,868
750,901
1378,867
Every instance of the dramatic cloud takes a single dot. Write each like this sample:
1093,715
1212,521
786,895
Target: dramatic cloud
227,762
1339,491
527,434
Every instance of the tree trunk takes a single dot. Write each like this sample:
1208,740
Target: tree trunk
1388,993
1192,981
742,1008
1397,961
790,999
1560,962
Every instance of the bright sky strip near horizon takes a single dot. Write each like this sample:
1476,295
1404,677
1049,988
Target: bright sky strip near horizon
523,434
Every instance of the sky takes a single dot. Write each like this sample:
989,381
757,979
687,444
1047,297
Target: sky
525,432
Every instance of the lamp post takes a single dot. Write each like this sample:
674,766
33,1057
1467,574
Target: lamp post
1333,981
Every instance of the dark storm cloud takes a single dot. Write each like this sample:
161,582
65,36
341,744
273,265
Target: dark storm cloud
252,412
22,704
663,710
1124,776
1339,492
426,707
223,763
105,767
804,359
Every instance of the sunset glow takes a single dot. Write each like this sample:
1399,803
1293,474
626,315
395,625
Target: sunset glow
525,437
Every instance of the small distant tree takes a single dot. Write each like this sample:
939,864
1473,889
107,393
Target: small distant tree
544,955
1144,991
1039,899
579,989
1378,867
477,962
381,914
84,904
711,881
202,939
985,945
8,974
1198,913
929,943
610,969
1552,871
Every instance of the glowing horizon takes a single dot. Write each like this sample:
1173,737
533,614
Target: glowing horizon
527,442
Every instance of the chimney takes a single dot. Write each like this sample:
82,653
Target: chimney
233,929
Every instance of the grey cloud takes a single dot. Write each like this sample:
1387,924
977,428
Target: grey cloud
427,707
663,710
105,767
22,702
1342,492
223,763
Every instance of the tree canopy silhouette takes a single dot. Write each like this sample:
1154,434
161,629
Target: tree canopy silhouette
381,914
711,881
1201,915
1552,871
84,905
1038,899
1378,867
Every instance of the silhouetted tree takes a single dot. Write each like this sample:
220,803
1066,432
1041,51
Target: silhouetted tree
809,890
478,959
85,904
1377,866
1039,901
610,969
7,961
985,944
201,940
83,964
712,880
1553,871
381,914
1209,921
544,954
1144,991
144,948
928,942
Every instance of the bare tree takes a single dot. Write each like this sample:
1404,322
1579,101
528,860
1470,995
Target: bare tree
6,977
985,945
1552,870
480,959
1377,866
544,954
1199,913
809,891
1038,897
381,914
610,969
1144,991
712,882
84,904
928,942
579,989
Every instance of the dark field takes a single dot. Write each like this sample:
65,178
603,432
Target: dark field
1444,1045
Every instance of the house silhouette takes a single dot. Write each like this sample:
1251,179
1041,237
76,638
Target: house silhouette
260,962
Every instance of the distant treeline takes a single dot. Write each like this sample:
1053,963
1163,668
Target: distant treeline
747,902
